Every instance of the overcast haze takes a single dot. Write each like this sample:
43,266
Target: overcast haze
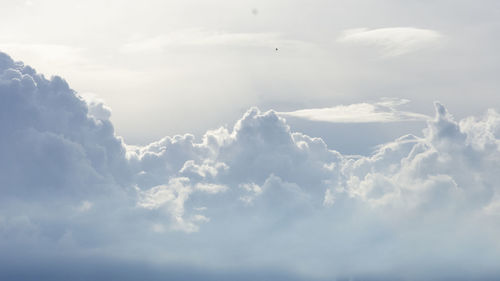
153,60
249,140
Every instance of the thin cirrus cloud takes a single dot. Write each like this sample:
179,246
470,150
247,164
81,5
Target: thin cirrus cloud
379,112
392,41
197,37
50,53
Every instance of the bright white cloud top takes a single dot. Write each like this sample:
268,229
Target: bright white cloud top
252,201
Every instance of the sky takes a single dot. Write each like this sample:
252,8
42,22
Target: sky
249,140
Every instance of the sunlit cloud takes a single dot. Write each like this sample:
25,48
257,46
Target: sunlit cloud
392,41
378,112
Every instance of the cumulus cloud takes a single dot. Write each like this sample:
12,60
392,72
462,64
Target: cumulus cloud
252,197
392,41
383,111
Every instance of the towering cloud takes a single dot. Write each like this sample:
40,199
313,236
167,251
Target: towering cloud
256,197
50,141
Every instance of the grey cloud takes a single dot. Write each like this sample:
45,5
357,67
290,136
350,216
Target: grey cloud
48,138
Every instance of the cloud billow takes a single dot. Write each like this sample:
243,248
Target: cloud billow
256,197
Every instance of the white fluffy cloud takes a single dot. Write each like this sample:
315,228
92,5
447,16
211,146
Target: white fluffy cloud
253,197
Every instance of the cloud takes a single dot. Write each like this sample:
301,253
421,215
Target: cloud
392,41
251,197
51,53
196,37
381,112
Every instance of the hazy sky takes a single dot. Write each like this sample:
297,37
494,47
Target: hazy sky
176,143
169,67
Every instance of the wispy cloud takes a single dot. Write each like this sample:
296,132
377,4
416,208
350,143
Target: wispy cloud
379,112
51,53
392,41
203,37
